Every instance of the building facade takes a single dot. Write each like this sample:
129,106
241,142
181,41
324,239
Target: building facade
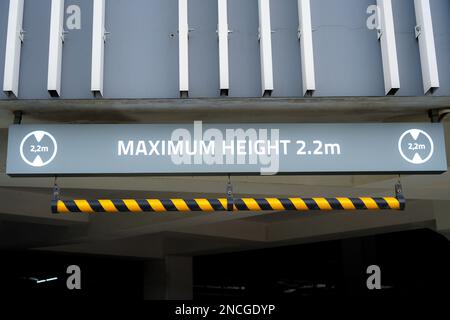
252,62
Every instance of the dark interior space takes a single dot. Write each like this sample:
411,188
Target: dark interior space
411,262
101,277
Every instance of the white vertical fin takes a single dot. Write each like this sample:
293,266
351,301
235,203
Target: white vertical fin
183,54
306,47
424,33
55,48
265,45
98,47
222,33
13,46
388,46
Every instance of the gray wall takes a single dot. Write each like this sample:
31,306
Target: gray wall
34,55
76,63
347,54
141,56
141,53
407,48
245,74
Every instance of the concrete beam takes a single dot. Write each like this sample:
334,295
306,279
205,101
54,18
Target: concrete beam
317,109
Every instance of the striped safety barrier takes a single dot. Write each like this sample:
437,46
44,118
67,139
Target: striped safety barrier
221,204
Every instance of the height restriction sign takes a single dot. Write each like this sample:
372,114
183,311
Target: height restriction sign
198,148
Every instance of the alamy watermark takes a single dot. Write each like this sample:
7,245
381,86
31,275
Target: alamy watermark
374,280
237,146
74,279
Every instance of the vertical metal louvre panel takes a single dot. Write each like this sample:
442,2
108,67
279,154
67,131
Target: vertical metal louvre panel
265,45
306,47
222,33
13,47
425,36
388,46
55,48
25,62
98,47
183,34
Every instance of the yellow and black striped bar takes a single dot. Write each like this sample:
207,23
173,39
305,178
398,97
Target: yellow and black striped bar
220,204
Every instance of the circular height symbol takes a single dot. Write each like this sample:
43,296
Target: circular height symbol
416,146
38,148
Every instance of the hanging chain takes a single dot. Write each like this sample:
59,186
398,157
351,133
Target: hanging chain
229,191
399,188
56,190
